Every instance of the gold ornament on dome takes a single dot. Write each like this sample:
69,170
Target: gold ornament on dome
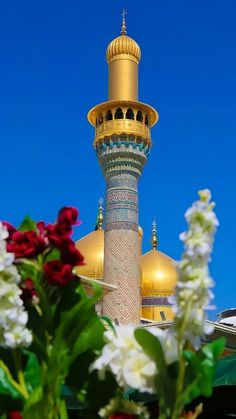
123,45
159,271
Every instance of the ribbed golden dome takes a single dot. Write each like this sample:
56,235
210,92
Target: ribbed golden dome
159,274
92,248
123,47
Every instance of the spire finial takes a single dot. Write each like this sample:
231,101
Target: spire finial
154,235
100,215
123,27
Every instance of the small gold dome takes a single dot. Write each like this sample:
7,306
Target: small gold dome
92,248
159,274
123,47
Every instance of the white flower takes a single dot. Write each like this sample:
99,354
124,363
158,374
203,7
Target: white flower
3,233
124,357
193,292
139,372
13,317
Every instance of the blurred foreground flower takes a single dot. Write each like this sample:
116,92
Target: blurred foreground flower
13,317
193,292
125,358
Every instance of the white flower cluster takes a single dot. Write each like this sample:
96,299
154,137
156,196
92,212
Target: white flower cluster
125,358
13,317
193,293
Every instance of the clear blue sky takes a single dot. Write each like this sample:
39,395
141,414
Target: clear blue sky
53,70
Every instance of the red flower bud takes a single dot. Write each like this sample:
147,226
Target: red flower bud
58,273
68,215
26,244
28,290
41,226
70,254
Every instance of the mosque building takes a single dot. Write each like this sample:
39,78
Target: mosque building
135,286
140,284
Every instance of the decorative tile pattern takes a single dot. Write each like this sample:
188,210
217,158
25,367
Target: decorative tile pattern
155,301
121,267
122,203
122,163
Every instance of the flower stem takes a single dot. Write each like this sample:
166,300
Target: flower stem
20,375
181,374
11,379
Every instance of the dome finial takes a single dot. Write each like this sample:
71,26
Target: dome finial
123,27
100,215
154,235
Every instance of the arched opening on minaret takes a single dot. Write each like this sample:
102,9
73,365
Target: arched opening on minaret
119,114
146,120
108,116
129,114
139,116
100,119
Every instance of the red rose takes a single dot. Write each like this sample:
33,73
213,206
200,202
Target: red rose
10,228
28,290
69,253
58,273
14,415
56,233
68,215
27,244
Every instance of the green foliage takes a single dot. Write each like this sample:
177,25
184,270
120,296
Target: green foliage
199,368
28,225
77,333
32,372
7,386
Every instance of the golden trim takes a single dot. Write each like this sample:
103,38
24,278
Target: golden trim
120,126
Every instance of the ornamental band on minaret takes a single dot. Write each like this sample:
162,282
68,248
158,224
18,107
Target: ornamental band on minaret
122,143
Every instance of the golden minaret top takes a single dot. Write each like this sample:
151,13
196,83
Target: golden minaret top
123,55
123,113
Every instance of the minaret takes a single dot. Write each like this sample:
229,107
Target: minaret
122,143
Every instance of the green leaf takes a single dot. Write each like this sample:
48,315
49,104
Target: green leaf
89,337
53,254
7,383
214,349
28,269
152,346
200,368
63,411
28,225
32,371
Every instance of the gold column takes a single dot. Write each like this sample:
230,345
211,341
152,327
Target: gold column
123,80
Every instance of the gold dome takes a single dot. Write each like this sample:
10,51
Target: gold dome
159,274
92,248
123,47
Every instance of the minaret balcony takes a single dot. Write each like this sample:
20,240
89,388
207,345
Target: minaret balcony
118,126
